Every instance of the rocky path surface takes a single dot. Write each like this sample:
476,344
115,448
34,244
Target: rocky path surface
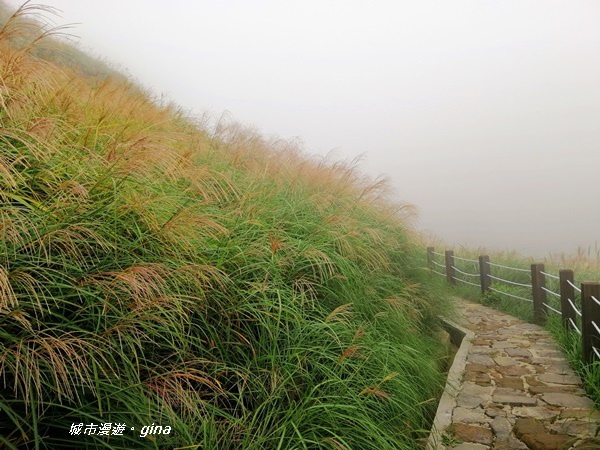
517,391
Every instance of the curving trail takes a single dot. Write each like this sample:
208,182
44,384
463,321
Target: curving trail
517,390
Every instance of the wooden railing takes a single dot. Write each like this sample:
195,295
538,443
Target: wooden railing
570,296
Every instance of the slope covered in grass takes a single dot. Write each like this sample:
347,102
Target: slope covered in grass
156,271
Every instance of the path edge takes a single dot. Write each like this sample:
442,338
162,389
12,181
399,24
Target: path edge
443,415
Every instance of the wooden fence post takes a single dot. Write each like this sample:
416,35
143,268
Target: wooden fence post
538,281
430,258
590,312
567,292
450,266
484,274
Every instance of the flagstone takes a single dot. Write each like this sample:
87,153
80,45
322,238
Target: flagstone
557,378
567,400
518,352
517,390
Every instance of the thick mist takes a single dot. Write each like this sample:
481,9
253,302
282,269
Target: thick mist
484,114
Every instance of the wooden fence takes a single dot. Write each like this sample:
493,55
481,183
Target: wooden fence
570,295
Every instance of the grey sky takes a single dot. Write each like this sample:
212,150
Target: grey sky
485,114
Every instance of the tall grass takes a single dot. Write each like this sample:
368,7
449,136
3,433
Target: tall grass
155,269
571,344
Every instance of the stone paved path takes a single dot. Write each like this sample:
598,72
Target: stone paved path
517,390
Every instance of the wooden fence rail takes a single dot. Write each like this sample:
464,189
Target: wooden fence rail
589,296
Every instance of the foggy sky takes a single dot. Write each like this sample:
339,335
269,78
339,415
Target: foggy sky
485,114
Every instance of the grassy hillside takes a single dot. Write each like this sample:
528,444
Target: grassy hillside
157,271
29,28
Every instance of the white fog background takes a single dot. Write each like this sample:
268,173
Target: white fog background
485,114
